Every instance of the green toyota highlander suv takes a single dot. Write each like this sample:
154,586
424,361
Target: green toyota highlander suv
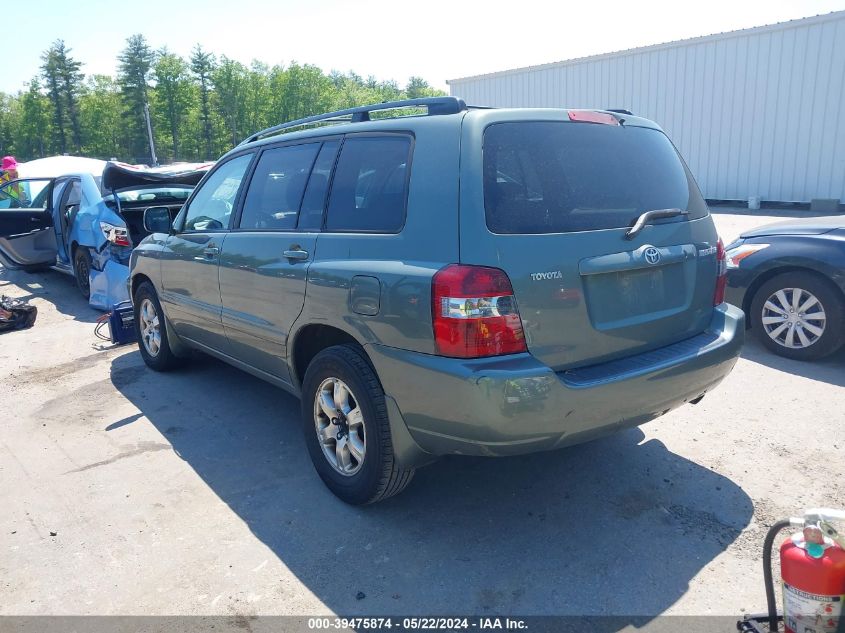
432,278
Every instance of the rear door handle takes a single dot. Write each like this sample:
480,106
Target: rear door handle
210,251
297,254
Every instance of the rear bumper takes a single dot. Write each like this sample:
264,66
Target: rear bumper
516,404
737,286
108,286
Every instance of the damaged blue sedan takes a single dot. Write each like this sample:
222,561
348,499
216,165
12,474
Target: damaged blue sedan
86,226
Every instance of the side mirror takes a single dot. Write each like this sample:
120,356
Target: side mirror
157,220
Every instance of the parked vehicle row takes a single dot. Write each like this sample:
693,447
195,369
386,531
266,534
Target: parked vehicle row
549,276
455,281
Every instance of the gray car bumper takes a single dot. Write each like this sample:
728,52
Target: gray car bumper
515,404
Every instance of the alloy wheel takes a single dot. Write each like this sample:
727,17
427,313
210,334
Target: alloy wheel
150,327
339,423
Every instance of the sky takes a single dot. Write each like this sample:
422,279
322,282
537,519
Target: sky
434,39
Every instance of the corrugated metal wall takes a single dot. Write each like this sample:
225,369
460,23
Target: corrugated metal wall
755,113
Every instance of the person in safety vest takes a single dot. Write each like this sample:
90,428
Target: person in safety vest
9,172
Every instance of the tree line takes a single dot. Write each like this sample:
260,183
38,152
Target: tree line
197,107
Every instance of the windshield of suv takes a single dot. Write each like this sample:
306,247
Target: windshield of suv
557,177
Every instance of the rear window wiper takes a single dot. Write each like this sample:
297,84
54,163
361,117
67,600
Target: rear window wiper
654,214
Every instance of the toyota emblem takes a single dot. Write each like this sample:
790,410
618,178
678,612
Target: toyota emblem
652,255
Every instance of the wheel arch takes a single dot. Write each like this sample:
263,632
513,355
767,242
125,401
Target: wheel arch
312,338
137,280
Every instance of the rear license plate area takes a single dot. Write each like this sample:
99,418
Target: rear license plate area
621,295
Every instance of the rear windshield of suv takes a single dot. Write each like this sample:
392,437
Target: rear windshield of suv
559,177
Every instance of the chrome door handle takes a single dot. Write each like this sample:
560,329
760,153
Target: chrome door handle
297,254
210,251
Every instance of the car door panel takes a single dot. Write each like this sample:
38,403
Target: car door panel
36,248
66,205
264,263
26,226
263,292
189,261
190,287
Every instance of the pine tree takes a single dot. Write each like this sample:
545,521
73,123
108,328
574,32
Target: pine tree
71,84
52,72
136,60
230,83
202,66
35,121
199,106
101,114
173,91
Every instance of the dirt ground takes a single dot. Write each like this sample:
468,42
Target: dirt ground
129,492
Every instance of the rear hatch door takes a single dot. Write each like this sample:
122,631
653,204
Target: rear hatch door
134,188
550,200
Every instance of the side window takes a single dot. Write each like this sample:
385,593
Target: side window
369,190
71,200
212,205
275,191
73,195
25,194
311,214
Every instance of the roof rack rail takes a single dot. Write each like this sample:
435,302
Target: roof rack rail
435,106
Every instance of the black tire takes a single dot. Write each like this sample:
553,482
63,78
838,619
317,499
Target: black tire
831,301
379,476
82,270
162,358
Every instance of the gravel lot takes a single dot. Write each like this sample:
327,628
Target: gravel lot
129,492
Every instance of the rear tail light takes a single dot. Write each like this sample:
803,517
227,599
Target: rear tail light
117,235
722,279
474,313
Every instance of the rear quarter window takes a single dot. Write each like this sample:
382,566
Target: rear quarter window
558,177
370,187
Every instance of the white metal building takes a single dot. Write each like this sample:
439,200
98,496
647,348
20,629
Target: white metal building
756,113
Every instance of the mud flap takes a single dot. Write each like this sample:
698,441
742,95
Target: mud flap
405,450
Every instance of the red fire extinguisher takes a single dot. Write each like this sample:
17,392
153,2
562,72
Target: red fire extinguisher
812,574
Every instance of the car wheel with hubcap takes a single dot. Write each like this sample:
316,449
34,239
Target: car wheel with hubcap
799,315
347,429
82,270
151,331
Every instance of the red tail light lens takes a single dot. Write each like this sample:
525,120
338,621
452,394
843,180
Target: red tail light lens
117,235
722,279
474,313
588,116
